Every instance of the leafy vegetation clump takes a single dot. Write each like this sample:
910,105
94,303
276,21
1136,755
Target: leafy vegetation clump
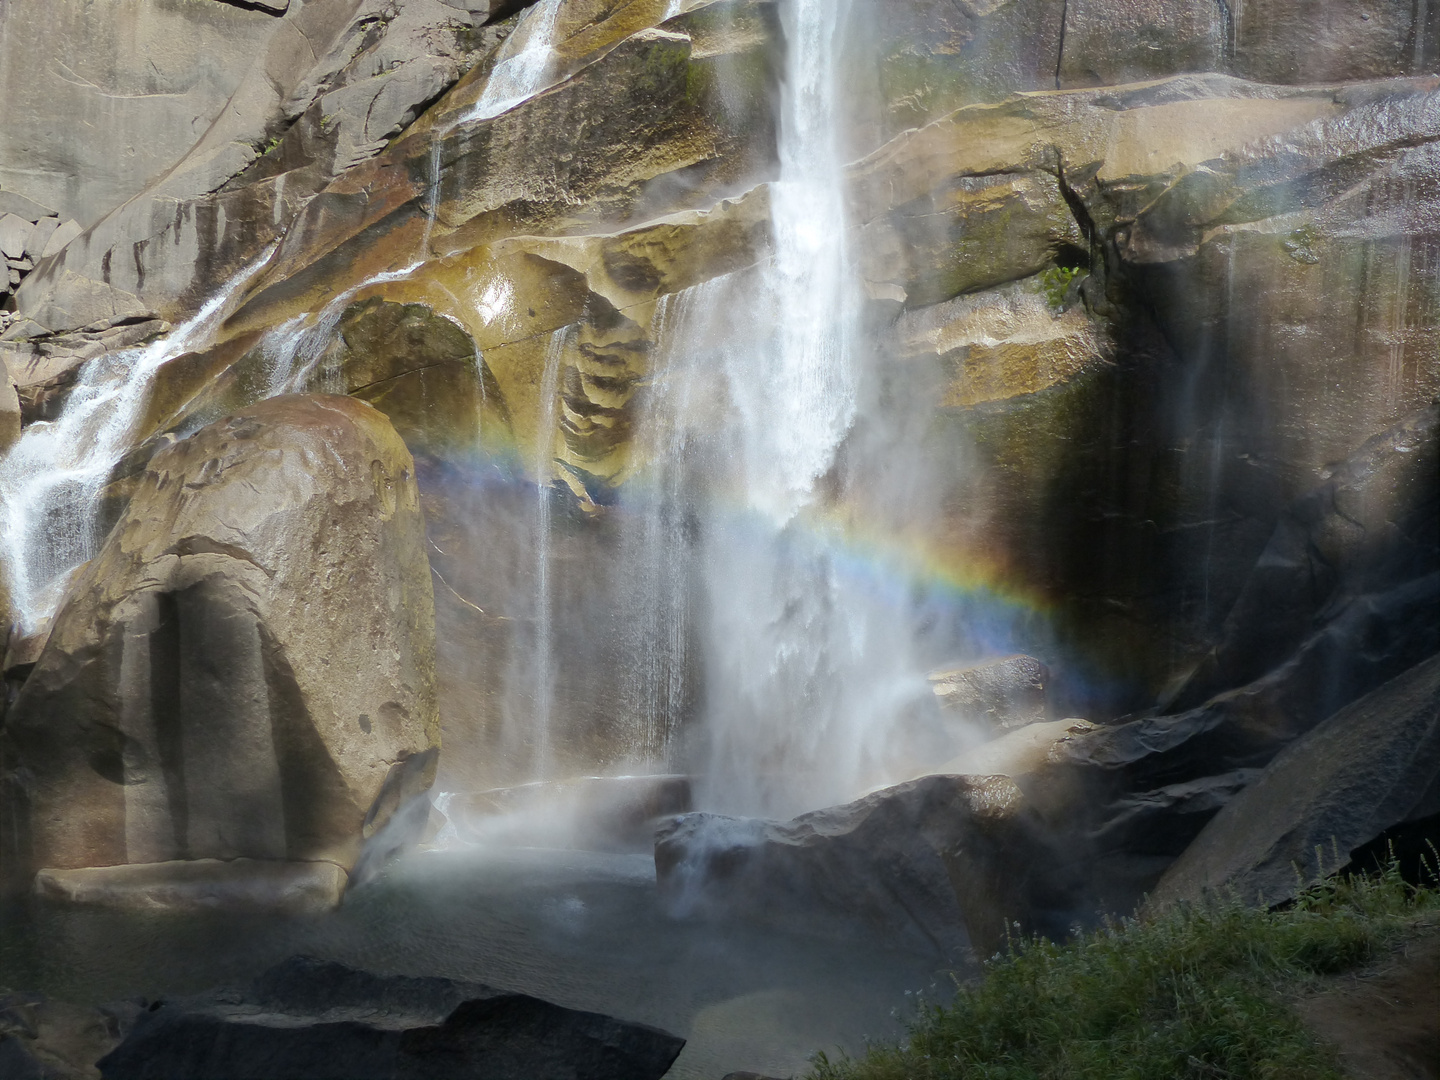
1193,992
1055,283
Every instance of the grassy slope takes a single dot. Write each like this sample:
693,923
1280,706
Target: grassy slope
1194,992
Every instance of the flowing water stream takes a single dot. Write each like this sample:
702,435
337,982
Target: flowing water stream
52,479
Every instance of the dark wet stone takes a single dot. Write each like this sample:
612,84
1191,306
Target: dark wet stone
316,1019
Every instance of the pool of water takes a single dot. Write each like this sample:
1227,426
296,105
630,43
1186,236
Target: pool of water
581,929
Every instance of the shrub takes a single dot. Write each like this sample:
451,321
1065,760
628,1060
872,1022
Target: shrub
1192,992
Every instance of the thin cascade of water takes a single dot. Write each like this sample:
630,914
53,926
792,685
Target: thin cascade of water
52,479
530,678
296,349
524,63
658,560
432,196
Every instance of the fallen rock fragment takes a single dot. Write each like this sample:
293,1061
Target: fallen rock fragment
180,885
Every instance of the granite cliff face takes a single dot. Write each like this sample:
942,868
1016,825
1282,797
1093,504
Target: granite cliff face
1151,290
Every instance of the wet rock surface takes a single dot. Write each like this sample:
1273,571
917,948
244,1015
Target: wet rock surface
42,1039
1159,280
1005,693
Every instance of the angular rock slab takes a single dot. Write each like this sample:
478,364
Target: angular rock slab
935,863
197,884
324,1020
1373,765
246,669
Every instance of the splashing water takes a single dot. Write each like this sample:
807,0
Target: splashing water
52,479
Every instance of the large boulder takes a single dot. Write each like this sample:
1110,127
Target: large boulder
246,669
322,1019
1373,765
935,863
313,1018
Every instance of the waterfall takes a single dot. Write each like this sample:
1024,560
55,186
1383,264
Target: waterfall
779,626
52,479
811,682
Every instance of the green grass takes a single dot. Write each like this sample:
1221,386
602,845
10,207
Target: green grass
1196,992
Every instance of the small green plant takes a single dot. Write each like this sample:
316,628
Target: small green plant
1055,283
1193,992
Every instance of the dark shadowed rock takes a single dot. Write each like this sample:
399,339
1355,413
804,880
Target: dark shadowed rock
1373,765
41,1039
1345,596
1369,526
246,668
935,863
319,1020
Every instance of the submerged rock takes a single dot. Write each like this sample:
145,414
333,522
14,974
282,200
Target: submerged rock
324,1020
936,863
246,669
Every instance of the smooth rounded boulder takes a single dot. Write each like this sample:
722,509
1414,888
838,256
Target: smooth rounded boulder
246,669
